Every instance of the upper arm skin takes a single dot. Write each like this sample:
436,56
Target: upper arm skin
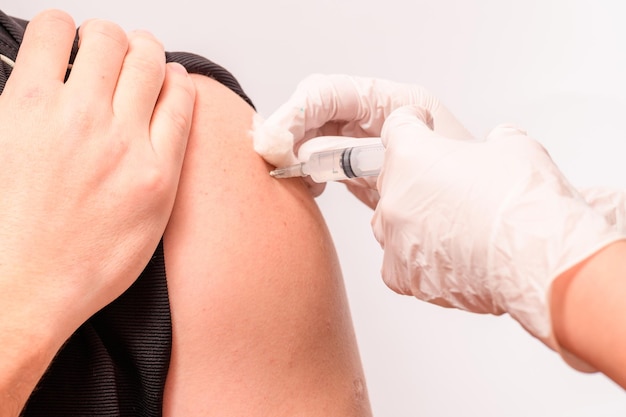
261,324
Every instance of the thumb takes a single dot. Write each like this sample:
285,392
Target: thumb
409,184
609,202
406,121
365,190
505,130
401,134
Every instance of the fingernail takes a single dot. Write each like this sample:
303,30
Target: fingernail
176,67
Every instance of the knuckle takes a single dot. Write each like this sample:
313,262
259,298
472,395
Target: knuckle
151,70
154,181
54,16
146,37
389,213
109,30
81,117
49,27
146,54
504,130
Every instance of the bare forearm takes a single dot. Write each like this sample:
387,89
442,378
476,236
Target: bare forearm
589,313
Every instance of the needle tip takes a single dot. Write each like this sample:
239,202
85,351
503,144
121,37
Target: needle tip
288,172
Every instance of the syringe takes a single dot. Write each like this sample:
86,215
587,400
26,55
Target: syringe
337,164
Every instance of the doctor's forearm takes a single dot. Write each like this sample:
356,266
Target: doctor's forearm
589,313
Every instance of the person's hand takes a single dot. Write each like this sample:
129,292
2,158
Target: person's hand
609,202
89,167
484,226
342,105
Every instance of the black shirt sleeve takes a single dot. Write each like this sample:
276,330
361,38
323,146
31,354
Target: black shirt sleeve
12,32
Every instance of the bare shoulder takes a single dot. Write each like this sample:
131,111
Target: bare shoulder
260,317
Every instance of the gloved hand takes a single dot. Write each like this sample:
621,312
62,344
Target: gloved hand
611,203
342,105
484,226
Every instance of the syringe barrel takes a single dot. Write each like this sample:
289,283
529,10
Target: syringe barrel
341,164
363,161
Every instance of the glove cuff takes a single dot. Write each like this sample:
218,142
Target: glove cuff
535,317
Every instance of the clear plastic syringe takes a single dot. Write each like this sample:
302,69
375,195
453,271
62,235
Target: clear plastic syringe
337,164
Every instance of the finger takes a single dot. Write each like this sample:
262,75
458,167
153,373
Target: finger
413,152
610,203
318,100
505,130
45,50
275,137
141,77
98,62
333,105
314,188
365,190
171,121
378,98
347,106
359,105
412,122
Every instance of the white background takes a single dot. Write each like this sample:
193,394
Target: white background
555,67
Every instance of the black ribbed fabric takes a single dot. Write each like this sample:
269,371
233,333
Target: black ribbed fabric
198,65
116,363
11,31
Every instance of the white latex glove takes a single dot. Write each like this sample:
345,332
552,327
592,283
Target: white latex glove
611,203
342,105
484,226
